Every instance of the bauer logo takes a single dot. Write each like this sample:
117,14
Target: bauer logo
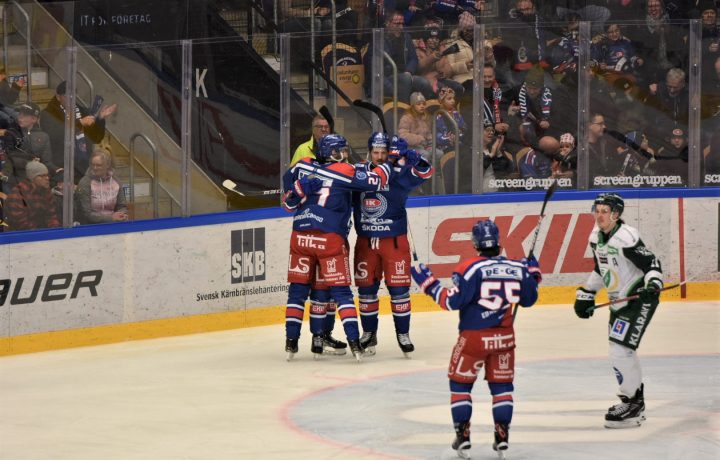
247,255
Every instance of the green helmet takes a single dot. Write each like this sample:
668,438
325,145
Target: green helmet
613,200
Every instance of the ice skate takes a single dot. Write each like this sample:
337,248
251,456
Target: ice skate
291,347
333,346
461,444
368,342
629,413
502,438
317,346
406,345
356,349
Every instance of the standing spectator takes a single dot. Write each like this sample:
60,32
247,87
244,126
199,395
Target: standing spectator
89,129
29,144
382,249
484,291
31,204
320,128
710,32
593,11
319,193
399,46
671,100
527,42
625,267
493,100
536,103
10,91
415,125
99,194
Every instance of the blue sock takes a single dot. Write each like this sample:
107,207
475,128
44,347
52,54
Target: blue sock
502,402
369,307
295,309
400,306
346,307
460,402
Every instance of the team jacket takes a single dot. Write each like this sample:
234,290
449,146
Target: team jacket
329,209
382,213
484,290
622,263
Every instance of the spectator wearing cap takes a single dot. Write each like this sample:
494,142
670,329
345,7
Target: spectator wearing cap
672,160
29,144
89,129
710,33
428,54
415,124
535,100
31,205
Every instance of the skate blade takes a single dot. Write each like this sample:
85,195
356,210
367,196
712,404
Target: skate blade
358,356
630,423
407,354
290,356
370,351
501,454
463,453
317,356
334,351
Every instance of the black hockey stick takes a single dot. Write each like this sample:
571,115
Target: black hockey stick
232,186
328,116
548,194
636,296
337,90
374,109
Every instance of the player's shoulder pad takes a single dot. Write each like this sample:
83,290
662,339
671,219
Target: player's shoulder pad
464,265
626,236
343,168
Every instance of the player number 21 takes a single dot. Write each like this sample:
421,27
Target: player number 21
495,294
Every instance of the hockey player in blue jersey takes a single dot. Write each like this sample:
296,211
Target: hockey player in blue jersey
484,290
382,247
319,192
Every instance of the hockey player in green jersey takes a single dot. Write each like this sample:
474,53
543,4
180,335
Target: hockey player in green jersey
625,267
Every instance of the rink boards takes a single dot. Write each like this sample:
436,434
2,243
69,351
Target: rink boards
207,273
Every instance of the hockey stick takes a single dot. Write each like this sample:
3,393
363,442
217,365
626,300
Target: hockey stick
337,90
548,194
637,296
232,186
374,109
328,116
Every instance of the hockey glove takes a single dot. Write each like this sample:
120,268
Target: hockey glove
425,279
307,186
533,267
412,158
584,303
650,294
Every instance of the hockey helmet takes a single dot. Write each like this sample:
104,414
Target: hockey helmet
485,235
613,200
398,147
378,140
331,148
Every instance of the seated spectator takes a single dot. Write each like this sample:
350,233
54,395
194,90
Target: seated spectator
564,52
671,101
628,161
527,41
457,65
595,12
445,139
565,160
415,125
614,55
673,160
99,194
89,129
710,93
399,46
493,100
710,33
711,159
31,205
497,162
10,91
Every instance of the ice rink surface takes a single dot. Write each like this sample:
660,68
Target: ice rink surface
232,395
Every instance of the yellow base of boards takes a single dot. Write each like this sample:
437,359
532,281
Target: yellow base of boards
114,333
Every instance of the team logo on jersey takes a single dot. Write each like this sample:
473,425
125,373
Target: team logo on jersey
331,266
504,361
372,207
247,255
400,267
360,175
619,329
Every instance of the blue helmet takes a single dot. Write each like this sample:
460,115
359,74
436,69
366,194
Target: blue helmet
398,147
485,235
331,147
379,140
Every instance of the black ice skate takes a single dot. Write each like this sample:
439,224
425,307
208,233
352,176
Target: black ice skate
356,349
629,413
368,342
333,346
317,346
406,345
291,347
461,444
502,438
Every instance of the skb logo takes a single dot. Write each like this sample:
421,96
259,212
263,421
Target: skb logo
247,255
